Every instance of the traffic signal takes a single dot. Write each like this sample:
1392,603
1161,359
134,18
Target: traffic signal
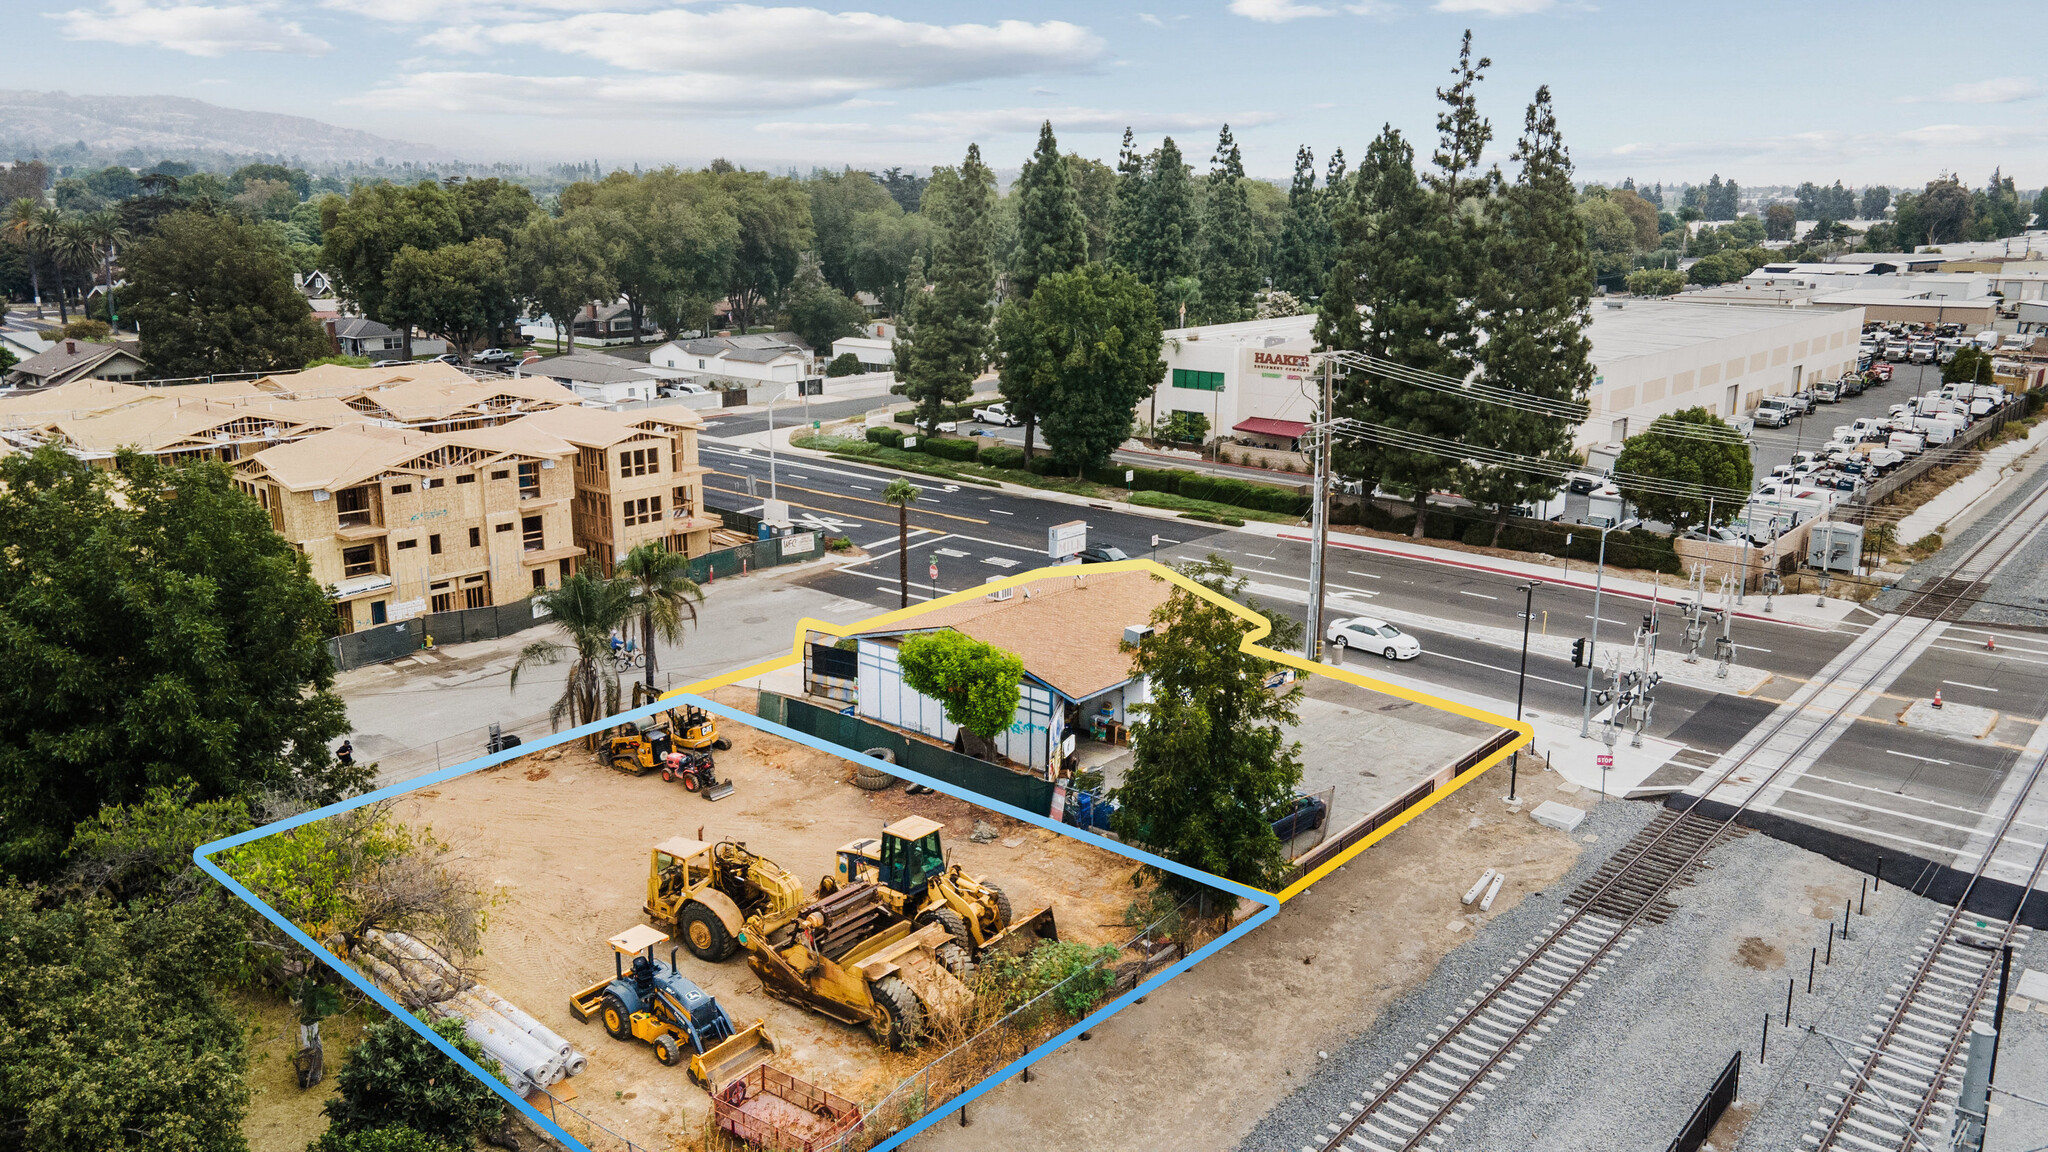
1579,653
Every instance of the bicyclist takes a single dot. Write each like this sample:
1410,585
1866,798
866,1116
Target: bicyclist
618,645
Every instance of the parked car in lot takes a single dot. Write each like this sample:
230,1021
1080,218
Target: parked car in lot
1300,815
1879,373
1716,534
389,363
1827,393
1850,385
1581,483
1103,554
1373,635
1897,348
493,356
997,414
1771,412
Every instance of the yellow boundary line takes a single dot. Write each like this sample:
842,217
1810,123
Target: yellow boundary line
1259,629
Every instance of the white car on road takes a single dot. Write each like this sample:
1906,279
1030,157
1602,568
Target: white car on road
996,414
1372,635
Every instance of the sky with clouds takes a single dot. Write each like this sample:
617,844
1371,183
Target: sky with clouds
1765,92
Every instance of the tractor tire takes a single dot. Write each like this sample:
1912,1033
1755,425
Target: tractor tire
703,933
885,755
950,921
903,1016
957,961
617,1021
667,1051
871,781
827,885
691,781
1002,899
722,744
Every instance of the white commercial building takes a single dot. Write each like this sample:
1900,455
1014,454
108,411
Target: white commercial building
1650,357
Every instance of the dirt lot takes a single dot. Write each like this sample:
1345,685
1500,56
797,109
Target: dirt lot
1198,1064
282,1116
567,841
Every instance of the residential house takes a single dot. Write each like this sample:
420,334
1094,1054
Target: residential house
1068,631
606,379
362,336
875,355
768,358
637,480
70,360
396,523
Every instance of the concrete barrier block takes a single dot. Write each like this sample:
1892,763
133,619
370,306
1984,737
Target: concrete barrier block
1562,817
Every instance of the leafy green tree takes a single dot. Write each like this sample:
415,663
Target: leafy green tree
902,494
1127,221
155,630
1640,213
976,683
361,235
840,220
1533,297
1717,268
557,267
1945,210
1610,237
461,292
669,240
1780,220
492,208
944,342
1876,199
589,606
1694,448
1211,760
1079,356
1656,282
395,1078
1052,234
1186,428
820,313
844,364
773,216
1971,365
1229,268
668,597
112,1033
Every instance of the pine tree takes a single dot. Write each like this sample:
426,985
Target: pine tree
945,342
1462,133
1297,258
1228,244
1533,298
1393,236
1337,321
1051,234
1127,223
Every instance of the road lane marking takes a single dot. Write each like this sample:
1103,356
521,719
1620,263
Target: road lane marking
886,504
862,487
1978,687
955,552
1259,556
1481,595
1000,512
999,561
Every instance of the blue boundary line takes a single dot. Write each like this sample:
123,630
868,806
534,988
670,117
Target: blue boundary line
201,856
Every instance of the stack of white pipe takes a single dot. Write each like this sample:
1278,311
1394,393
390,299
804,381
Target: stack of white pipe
529,1053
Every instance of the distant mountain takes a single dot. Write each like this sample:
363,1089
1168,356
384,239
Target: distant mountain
174,126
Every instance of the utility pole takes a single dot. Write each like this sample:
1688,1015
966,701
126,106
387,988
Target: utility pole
1522,679
1320,518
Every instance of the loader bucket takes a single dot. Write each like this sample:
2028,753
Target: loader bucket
719,791
583,1005
748,1049
1024,934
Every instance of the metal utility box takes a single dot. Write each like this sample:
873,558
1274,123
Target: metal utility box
1835,546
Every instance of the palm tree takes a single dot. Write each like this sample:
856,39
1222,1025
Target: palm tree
590,607
24,230
902,493
72,248
667,595
107,237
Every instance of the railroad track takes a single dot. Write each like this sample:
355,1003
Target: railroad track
1438,1083
1901,1097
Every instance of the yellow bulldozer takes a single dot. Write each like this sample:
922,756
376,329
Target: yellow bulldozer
907,865
850,958
704,893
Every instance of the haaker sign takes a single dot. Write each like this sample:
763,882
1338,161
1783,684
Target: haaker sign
1265,360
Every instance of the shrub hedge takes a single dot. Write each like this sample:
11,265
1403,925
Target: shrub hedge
1243,493
949,449
1635,548
1000,455
886,437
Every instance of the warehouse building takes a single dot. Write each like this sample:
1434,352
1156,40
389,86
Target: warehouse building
1256,382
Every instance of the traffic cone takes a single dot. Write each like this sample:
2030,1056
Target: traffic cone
1991,643
1937,697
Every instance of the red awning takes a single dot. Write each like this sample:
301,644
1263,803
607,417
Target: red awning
1260,426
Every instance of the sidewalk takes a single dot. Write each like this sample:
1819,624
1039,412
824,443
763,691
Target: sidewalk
1960,504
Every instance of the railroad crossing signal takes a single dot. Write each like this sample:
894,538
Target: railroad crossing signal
1579,653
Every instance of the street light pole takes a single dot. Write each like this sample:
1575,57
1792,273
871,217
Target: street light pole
1522,680
1319,520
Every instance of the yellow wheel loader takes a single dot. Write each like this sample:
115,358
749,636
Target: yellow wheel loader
850,958
652,1002
704,893
907,865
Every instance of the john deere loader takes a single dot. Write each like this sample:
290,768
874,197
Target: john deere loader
849,957
907,865
703,893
